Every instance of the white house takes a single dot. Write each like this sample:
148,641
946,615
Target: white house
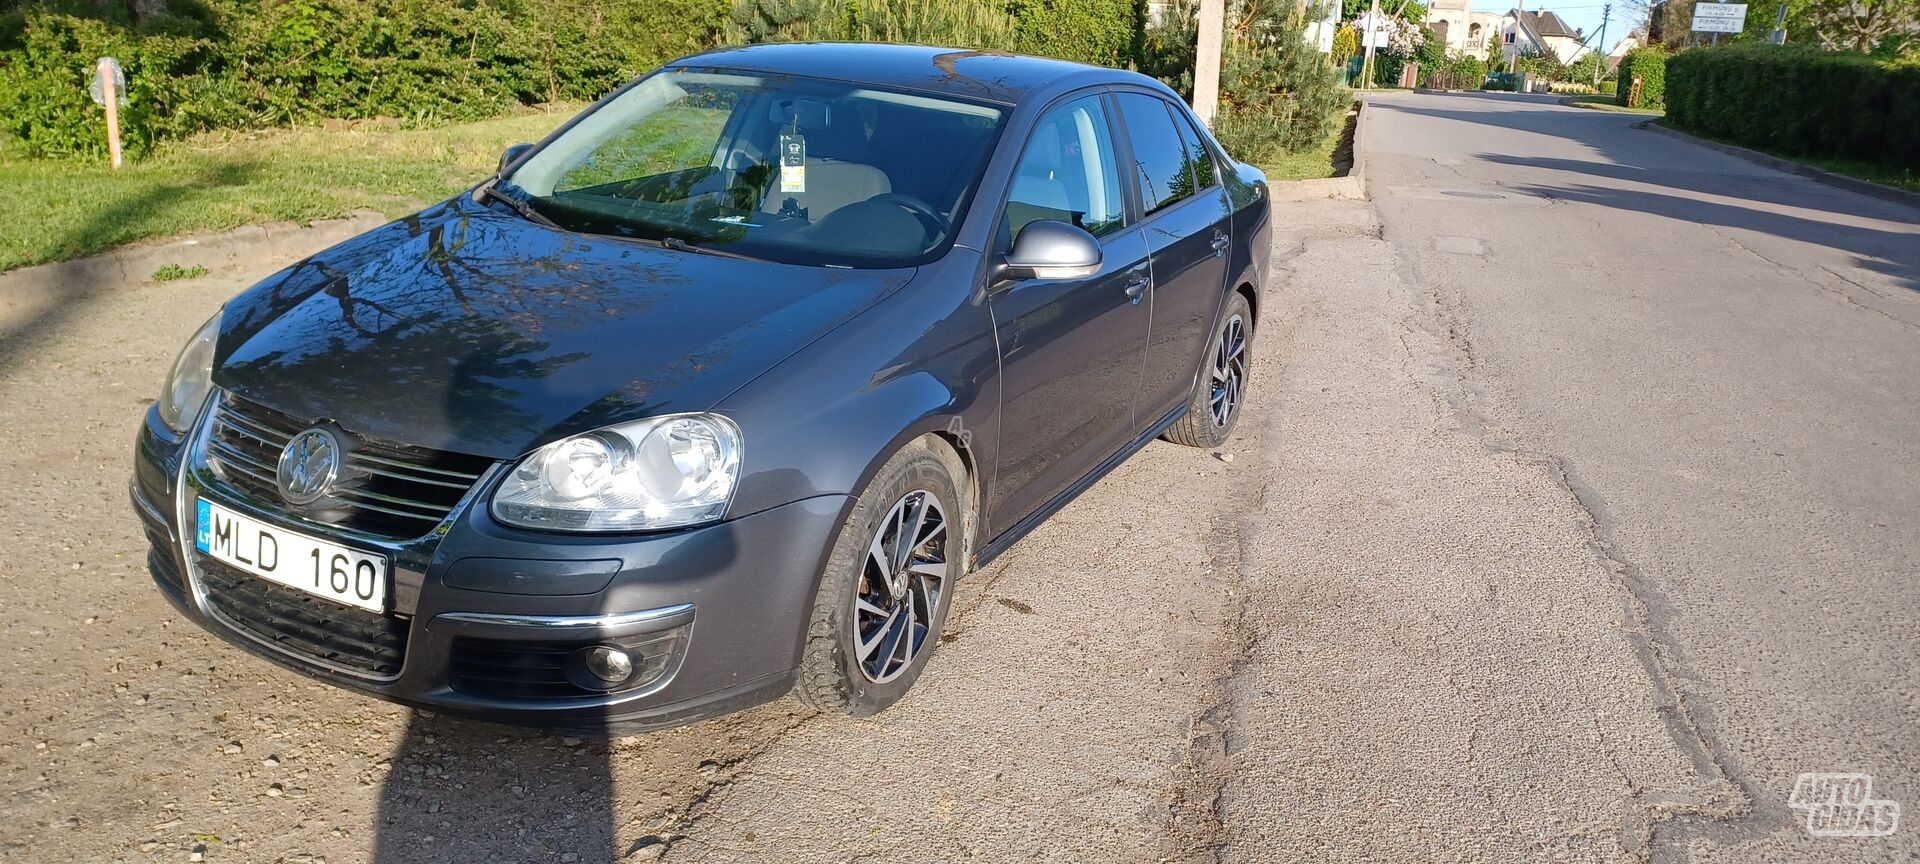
1463,30
1540,31
1634,40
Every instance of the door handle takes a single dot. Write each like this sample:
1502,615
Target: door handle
1137,283
1219,244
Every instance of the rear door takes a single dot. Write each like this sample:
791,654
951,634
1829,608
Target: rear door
1185,217
1070,350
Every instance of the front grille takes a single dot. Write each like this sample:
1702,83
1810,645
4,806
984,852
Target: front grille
337,635
513,670
383,490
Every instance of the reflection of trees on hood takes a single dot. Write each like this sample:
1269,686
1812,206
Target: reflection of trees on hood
454,307
467,329
460,360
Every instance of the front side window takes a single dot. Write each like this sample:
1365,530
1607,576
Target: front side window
785,169
1068,173
1160,160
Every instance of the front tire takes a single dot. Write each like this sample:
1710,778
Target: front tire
888,584
1223,380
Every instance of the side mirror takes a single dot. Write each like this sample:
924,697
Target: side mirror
1048,249
512,153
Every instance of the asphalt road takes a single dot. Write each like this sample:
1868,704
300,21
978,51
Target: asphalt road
1569,521
1719,359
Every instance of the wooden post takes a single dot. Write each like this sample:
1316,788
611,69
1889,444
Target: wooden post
113,112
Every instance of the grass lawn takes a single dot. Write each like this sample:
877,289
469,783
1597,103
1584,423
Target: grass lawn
1331,159
1605,103
65,209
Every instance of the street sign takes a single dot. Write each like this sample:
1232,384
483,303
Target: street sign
1719,17
98,87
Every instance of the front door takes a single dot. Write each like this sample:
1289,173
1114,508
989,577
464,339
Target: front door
1186,224
1070,350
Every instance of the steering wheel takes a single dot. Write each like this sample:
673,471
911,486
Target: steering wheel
935,223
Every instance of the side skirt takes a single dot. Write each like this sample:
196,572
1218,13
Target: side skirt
1020,529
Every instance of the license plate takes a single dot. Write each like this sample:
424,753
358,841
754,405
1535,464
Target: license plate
318,567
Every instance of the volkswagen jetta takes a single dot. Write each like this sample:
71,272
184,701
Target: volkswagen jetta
713,394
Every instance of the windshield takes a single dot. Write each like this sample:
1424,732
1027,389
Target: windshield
786,169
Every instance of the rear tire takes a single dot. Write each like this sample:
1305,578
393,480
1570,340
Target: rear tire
1222,388
881,609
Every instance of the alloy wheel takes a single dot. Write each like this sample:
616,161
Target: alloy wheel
1229,371
902,585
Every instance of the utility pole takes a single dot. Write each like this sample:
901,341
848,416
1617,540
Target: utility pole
1606,12
1206,60
1519,26
1372,35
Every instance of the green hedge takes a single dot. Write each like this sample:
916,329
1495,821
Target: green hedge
1090,31
1458,73
1800,101
1650,64
237,64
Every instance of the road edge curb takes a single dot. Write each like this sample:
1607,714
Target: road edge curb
1353,185
134,264
1851,184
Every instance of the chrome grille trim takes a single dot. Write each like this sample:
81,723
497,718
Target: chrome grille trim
385,491
194,478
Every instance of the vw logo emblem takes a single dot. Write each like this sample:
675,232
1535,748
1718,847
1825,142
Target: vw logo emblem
309,466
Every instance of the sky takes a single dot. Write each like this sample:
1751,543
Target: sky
1583,14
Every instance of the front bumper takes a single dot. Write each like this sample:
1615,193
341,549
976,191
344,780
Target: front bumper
476,603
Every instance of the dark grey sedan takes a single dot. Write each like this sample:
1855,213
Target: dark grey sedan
712,395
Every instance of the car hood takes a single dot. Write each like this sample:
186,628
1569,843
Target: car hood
469,329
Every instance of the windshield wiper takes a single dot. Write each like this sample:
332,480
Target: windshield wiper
518,206
679,245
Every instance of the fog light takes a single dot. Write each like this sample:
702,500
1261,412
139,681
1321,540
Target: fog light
611,665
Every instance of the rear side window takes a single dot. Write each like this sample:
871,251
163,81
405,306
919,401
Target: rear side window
1160,159
1068,173
1198,155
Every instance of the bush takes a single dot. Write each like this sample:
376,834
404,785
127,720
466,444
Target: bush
1464,72
1091,31
1429,55
1800,101
1346,43
1607,88
1387,65
1542,66
1650,66
47,60
236,64
1278,93
954,23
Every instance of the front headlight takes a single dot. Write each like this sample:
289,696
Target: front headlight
662,472
191,381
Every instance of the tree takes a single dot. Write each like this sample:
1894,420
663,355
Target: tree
1278,93
1346,43
1864,25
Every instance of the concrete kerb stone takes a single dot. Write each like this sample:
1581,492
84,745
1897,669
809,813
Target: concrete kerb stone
135,264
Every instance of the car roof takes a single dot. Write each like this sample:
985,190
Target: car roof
994,76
